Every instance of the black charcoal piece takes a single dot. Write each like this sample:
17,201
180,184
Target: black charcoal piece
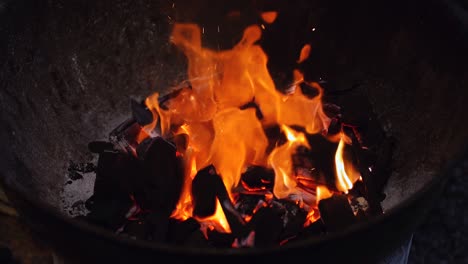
115,174
322,154
258,178
246,203
208,185
293,220
158,186
220,240
180,231
372,195
100,146
336,213
205,188
334,127
267,223
125,136
143,147
142,115
108,212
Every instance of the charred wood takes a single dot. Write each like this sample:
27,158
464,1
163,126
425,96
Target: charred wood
267,223
205,188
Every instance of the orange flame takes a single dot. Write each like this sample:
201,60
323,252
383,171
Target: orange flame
216,221
323,193
221,132
345,173
280,161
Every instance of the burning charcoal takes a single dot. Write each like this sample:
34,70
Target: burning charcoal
173,94
336,213
142,115
205,187
220,240
267,223
180,231
124,137
253,104
373,197
100,146
143,147
114,174
159,184
258,178
109,212
293,217
305,169
322,153
246,203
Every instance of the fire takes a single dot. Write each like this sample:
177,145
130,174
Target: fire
224,131
323,193
280,160
217,221
345,172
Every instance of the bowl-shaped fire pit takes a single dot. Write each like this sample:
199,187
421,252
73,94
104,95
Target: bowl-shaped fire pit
139,131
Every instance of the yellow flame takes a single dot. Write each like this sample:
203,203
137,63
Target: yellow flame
344,182
220,131
280,160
